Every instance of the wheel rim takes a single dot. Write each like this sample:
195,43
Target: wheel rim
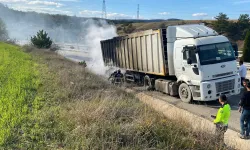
184,93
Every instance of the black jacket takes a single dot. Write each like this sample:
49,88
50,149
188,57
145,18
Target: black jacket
245,100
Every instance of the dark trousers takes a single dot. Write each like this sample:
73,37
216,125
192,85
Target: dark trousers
220,131
245,122
242,79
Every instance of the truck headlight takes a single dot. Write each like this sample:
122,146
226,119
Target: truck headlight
209,86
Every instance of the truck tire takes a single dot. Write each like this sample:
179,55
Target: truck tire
185,93
148,83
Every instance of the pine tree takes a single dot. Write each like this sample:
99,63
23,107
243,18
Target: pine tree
221,23
246,49
41,40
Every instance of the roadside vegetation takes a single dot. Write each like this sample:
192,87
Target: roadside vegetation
48,102
41,40
18,88
246,48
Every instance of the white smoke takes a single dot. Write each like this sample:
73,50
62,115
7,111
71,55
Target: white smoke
72,34
95,34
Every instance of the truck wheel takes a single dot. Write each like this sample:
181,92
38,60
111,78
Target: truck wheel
148,83
185,93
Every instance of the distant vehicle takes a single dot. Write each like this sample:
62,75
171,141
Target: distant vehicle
191,61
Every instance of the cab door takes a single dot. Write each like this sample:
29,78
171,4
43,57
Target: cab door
178,59
189,64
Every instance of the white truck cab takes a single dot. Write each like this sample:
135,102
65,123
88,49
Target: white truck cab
203,61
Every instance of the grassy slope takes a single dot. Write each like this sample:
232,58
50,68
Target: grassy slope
18,83
76,109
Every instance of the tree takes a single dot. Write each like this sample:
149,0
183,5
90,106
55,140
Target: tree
246,49
3,32
244,24
243,21
233,31
222,23
41,40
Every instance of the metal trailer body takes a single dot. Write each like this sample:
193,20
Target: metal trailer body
144,52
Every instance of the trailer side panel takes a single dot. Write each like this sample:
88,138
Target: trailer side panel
141,52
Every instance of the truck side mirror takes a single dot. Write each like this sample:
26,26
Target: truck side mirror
235,47
189,61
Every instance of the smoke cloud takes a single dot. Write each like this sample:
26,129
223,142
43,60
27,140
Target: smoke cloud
94,35
67,32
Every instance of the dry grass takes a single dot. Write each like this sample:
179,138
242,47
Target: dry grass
79,110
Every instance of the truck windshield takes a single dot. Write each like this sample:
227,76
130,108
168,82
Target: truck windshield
215,53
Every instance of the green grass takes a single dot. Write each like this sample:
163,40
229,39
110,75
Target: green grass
18,87
72,108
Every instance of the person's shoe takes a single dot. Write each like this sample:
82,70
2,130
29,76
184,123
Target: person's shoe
242,136
247,137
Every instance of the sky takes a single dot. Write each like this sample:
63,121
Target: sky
127,9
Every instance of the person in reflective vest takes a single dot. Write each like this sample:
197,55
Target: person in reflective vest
222,117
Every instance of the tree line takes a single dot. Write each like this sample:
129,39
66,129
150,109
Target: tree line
234,29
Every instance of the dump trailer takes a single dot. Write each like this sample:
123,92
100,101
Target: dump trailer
192,61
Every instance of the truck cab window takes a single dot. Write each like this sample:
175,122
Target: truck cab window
191,55
216,53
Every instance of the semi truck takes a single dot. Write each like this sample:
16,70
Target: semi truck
193,61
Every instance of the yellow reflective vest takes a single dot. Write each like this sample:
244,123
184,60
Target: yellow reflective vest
223,114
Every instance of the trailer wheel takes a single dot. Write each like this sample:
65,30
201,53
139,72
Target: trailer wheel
148,83
185,93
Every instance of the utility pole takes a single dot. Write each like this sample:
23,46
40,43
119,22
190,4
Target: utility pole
104,13
138,12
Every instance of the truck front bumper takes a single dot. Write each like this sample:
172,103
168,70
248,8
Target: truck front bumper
211,90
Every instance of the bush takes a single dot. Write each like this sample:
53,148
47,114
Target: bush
83,63
246,49
41,40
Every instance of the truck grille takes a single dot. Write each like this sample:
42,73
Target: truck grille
222,74
224,86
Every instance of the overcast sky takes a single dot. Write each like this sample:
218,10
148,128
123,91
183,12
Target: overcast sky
127,9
